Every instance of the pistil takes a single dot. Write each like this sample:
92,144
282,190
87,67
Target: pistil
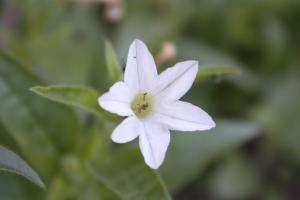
142,105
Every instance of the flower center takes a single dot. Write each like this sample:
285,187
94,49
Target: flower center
142,105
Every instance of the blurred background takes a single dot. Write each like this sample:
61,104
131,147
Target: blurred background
249,81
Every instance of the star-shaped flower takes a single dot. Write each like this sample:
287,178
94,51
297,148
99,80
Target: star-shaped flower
151,103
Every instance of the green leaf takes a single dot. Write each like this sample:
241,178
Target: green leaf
279,113
7,140
216,64
80,97
67,53
17,188
189,154
11,162
235,178
41,129
126,174
64,188
216,71
113,67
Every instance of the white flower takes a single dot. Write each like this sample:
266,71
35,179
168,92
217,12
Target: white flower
151,104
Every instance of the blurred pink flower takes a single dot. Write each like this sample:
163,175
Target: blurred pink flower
167,52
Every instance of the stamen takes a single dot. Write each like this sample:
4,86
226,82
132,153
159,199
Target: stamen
142,105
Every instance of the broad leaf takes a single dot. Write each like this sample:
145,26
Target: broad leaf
14,187
11,162
41,129
65,54
189,154
217,63
8,141
281,116
211,71
113,67
126,174
234,178
80,97
74,180
77,183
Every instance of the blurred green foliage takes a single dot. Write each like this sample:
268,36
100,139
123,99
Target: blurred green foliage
249,81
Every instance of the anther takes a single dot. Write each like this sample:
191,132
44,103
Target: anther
142,105
144,98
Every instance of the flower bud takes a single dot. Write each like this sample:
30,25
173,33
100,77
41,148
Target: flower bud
167,52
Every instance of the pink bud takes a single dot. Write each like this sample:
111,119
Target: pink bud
167,52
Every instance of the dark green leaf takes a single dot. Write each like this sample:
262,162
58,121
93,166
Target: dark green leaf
14,187
113,67
80,97
189,154
211,71
235,178
11,162
126,174
40,128
7,140
279,116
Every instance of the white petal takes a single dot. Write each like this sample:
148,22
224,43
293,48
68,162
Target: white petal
140,71
183,116
154,141
126,131
117,99
174,82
